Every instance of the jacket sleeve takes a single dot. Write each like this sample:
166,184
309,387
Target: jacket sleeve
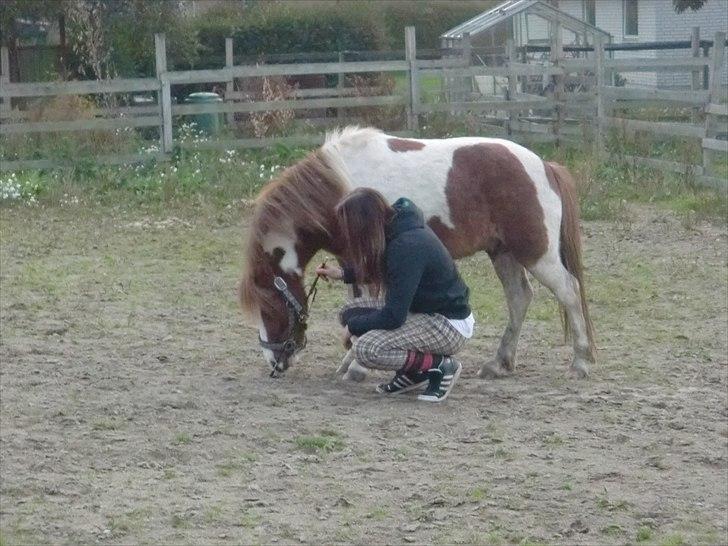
405,265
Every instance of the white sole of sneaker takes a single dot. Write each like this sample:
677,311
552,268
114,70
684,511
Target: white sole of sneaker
449,390
403,390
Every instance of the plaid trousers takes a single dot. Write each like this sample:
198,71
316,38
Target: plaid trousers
387,349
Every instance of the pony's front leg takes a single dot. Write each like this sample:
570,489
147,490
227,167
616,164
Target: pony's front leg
350,369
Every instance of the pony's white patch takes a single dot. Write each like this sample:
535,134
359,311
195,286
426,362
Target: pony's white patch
267,353
362,157
287,243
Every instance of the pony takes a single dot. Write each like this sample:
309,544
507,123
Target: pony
477,194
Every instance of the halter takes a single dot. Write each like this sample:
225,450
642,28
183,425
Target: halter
297,316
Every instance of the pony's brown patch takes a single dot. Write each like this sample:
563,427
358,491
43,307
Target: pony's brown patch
493,205
404,145
304,196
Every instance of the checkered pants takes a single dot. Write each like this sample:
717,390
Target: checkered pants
387,349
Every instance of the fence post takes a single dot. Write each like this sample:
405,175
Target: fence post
716,76
340,86
695,50
601,110
410,47
512,81
5,76
466,82
557,53
230,84
165,93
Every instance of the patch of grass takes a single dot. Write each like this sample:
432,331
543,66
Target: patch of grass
612,506
674,539
478,494
250,519
612,530
179,521
182,438
644,534
326,442
213,514
104,425
169,474
504,454
567,486
378,513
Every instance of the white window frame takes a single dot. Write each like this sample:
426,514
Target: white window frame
624,19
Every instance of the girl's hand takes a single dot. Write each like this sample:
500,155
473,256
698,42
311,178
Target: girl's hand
330,272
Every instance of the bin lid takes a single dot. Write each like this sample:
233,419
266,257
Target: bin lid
203,97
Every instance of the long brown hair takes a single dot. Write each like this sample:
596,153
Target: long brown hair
363,216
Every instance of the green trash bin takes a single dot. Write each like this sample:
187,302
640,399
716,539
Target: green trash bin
207,123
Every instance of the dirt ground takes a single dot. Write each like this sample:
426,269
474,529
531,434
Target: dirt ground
136,407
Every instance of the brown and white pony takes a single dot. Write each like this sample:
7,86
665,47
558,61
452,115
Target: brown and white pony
477,194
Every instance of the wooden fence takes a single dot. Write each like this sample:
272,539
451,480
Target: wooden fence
579,102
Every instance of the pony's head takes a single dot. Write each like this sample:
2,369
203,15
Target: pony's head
275,298
294,218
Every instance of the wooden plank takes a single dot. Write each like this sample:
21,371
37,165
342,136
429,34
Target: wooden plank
601,102
716,66
230,84
486,105
695,51
224,74
430,64
628,93
717,109
166,142
77,125
577,65
20,164
651,64
663,165
45,89
410,45
102,112
5,105
516,69
715,145
658,127
303,104
714,182
299,140
336,92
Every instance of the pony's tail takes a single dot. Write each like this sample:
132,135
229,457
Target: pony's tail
571,255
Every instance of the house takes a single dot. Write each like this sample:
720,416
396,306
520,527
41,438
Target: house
641,21
615,21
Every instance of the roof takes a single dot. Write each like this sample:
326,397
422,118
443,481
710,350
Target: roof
509,8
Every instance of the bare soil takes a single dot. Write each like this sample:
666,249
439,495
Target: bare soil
135,407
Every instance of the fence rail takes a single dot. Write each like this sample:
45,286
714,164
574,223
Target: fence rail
575,99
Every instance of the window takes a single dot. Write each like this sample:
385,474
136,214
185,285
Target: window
590,12
631,23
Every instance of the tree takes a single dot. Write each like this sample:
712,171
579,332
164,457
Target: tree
684,5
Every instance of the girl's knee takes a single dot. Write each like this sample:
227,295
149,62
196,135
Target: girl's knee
364,350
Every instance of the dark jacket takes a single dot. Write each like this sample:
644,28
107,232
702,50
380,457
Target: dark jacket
420,276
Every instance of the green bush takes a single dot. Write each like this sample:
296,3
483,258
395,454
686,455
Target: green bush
430,19
305,26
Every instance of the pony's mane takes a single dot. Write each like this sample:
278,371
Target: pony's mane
302,196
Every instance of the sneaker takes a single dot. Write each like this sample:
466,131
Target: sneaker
442,380
403,382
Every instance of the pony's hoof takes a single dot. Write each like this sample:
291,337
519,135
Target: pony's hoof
355,373
579,370
493,370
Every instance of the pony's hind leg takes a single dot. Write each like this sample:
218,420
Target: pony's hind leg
518,295
550,271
